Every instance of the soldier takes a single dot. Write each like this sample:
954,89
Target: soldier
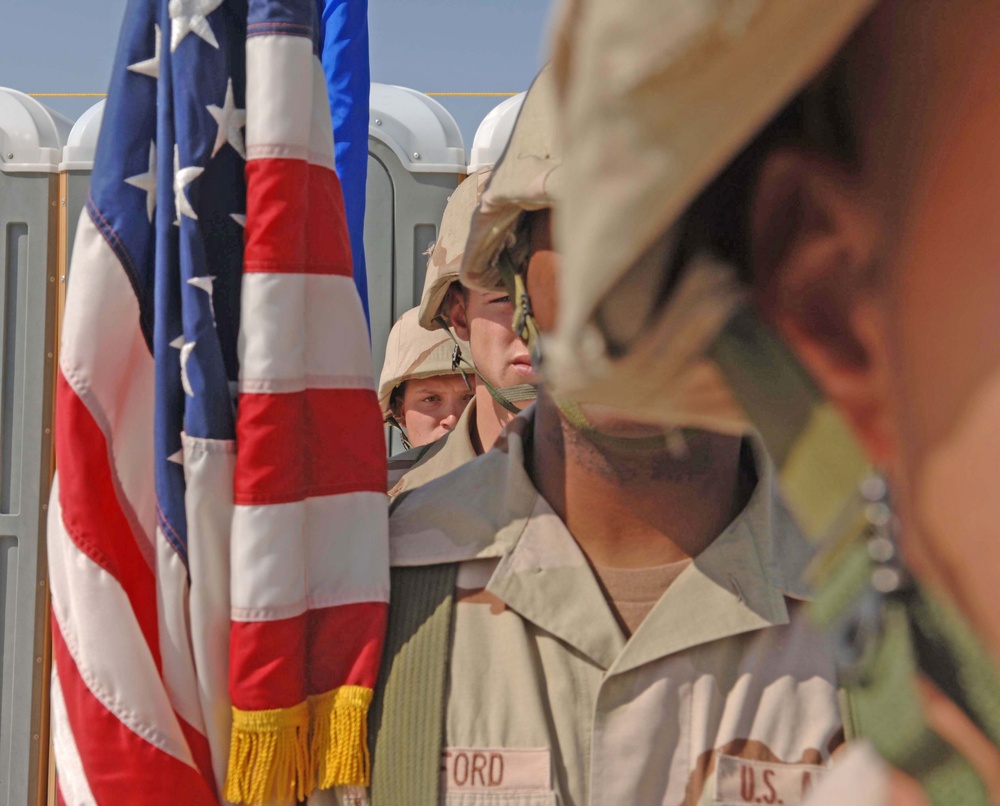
503,379
830,168
604,613
421,391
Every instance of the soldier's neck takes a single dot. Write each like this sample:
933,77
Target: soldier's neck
636,509
491,419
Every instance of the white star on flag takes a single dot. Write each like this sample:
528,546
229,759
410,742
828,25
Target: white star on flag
191,17
205,284
147,182
150,67
182,178
231,122
239,218
185,347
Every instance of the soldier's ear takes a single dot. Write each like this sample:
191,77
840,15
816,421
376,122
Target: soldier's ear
814,248
457,312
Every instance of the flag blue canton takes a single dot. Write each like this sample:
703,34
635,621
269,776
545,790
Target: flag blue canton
169,193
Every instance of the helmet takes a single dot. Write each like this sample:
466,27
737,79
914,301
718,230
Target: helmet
655,100
446,255
413,352
527,177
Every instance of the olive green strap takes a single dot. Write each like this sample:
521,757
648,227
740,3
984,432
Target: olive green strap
884,637
406,721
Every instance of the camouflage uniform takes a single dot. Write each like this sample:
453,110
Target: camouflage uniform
724,688
657,100
723,692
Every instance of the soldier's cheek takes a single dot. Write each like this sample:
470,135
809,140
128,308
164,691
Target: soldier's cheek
958,508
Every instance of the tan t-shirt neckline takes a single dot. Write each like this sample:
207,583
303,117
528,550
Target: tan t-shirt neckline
633,592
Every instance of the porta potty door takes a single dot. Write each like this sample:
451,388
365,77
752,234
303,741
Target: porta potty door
416,159
31,140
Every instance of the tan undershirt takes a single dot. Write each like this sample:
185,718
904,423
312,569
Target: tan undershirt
632,592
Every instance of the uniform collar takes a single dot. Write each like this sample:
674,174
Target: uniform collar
491,509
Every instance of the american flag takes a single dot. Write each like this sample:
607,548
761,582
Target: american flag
217,530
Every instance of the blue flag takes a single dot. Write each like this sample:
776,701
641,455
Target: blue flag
348,80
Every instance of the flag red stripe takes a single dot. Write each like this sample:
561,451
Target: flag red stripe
201,750
91,512
295,219
121,766
267,663
356,631
303,444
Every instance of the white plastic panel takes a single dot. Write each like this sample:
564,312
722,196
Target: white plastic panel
421,132
81,145
31,134
493,133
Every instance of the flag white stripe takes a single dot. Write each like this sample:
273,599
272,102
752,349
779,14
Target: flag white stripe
295,120
346,538
268,562
208,471
348,545
287,348
278,114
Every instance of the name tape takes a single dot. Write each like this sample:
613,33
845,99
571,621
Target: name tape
466,769
741,781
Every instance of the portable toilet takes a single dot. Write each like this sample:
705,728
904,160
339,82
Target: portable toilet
416,159
493,133
76,166
31,141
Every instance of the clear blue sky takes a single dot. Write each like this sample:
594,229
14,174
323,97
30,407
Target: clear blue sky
431,45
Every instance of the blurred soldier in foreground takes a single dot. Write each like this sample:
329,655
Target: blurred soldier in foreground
502,376
602,612
736,164
421,391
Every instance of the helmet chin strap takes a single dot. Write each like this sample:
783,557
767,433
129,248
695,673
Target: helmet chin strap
505,396
402,431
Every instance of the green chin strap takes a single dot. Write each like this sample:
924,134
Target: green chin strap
507,396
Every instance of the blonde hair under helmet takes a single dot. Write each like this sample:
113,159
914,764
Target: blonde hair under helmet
412,353
446,256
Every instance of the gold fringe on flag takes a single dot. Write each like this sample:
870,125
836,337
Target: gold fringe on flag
269,757
339,744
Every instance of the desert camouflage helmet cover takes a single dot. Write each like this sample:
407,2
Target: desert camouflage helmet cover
654,100
446,256
527,177
413,352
